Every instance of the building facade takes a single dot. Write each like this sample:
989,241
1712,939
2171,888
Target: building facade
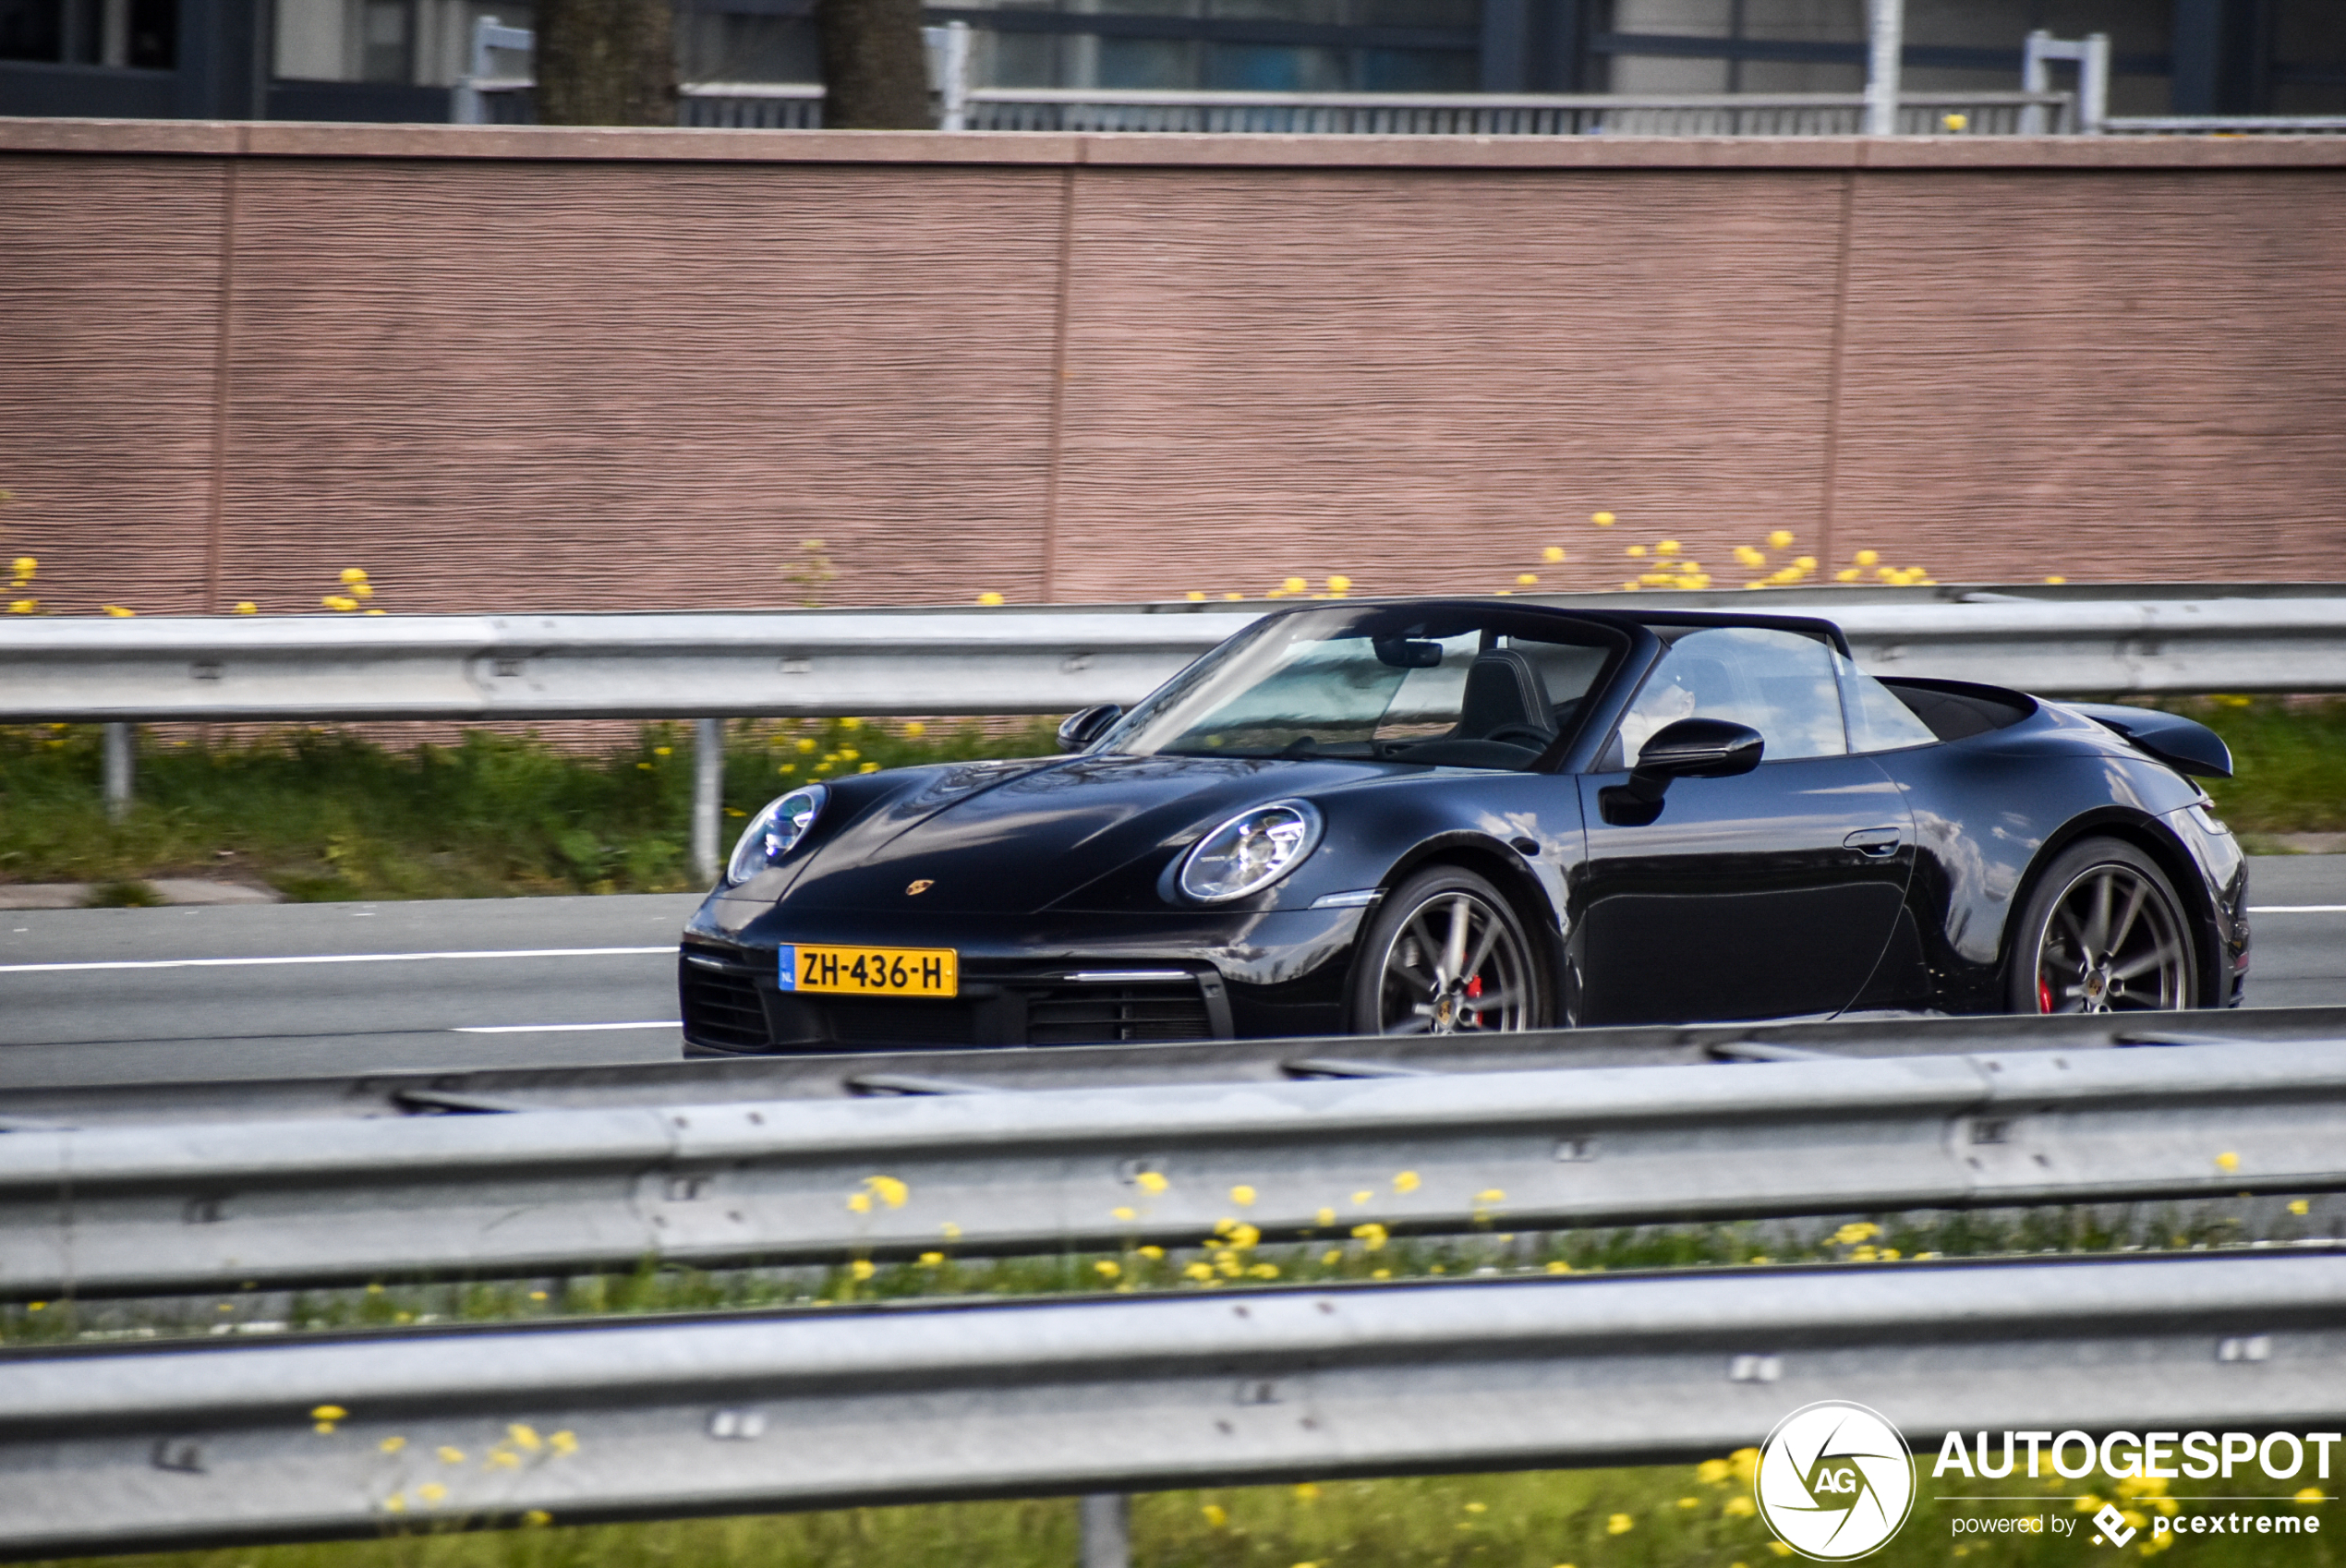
399,60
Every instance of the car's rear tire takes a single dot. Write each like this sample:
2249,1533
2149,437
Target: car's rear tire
2102,932
1445,953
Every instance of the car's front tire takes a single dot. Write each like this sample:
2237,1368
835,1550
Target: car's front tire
2102,932
1446,954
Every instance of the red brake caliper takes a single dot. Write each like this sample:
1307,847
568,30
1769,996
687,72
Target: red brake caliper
2044,996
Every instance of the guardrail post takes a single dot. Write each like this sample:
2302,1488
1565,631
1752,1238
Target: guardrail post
121,766
1107,1530
1885,34
709,793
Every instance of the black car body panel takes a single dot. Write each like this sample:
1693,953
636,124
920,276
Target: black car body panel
1809,885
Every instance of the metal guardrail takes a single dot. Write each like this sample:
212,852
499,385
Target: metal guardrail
125,1449
1020,1068
1023,660
1012,661
181,1207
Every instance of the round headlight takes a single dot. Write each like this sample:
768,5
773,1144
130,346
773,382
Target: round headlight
774,830
1252,851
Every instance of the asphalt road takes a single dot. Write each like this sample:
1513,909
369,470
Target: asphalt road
126,996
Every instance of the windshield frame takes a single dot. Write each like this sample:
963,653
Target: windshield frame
1403,618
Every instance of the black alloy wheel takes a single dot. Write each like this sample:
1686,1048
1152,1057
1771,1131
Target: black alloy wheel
1445,954
2103,933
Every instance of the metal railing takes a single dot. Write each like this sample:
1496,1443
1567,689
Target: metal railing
1037,660
140,1448
172,1207
2226,124
1400,114
491,96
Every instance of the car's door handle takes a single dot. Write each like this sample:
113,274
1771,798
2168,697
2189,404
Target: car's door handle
1874,841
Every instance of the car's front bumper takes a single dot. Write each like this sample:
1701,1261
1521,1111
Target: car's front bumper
1054,978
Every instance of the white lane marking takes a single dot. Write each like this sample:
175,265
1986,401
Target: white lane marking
337,958
558,1028
2297,909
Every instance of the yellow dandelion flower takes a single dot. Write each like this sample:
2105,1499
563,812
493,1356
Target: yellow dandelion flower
1198,1271
1214,1515
663,750
537,1518
2056,578
1339,583
1193,595
1241,1195
868,767
1635,549
1806,563
353,574
501,1459
1846,575
1306,1493
1601,519
1362,1196
1866,557
1491,1195
1151,1253
2299,1206
391,1445
1559,1266
1122,1212
1667,547
1234,595
451,1455
1372,1235
915,729
328,1413
860,1203
1108,1269
563,1442
1150,1182
362,590
1739,1507
25,566
861,1269
950,1230
989,598
806,743
1264,1271
432,1492
119,613
524,1438
1324,1216
246,607
1332,1257
1295,585
2228,1161
23,606
1405,1181
1525,580
2310,1495
1954,122
1620,1525
1713,1472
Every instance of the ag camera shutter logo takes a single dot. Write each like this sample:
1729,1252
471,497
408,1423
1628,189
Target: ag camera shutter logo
1835,1480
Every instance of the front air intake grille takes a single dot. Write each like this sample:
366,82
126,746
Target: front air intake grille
869,1021
721,1007
1093,1014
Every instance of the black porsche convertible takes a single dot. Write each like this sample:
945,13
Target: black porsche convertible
1449,816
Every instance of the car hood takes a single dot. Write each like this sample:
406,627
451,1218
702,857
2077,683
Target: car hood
1015,837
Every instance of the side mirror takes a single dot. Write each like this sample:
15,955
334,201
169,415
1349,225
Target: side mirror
1691,748
1079,729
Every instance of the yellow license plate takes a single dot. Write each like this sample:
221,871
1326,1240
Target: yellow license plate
870,971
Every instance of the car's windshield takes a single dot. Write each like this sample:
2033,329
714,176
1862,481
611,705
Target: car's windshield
1449,685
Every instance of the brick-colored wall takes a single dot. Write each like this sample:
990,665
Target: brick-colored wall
586,369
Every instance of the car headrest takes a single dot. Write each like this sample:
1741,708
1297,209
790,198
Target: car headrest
1502,687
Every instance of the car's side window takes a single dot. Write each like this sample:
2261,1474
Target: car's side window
1877,721
1779,683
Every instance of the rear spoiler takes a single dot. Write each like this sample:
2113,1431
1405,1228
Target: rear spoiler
2184,744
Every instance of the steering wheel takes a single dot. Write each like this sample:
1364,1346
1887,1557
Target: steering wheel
1533,736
